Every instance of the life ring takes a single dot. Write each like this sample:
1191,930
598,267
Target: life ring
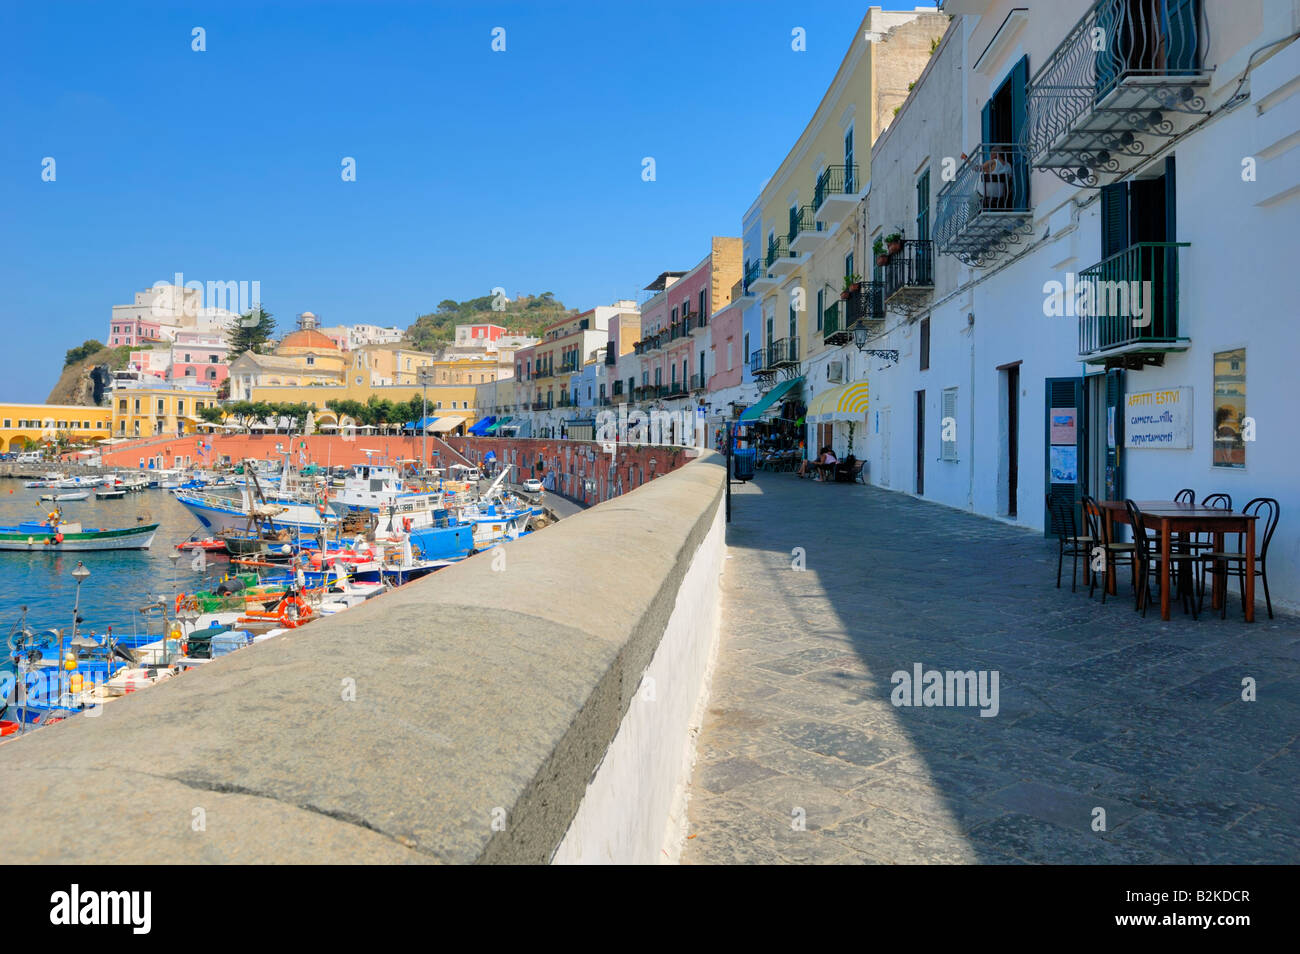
406,524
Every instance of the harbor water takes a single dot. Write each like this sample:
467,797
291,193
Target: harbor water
120,580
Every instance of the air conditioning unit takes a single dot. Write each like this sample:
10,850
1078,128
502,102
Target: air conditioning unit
835,371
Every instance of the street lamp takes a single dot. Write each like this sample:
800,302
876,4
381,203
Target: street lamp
860,336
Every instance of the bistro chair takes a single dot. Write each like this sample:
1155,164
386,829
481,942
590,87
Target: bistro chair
1068,542
1149,561
1117,553
1204,540
1186,495
1234,564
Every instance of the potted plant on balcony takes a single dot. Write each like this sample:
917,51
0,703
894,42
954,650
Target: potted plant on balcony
852,283
878,250
894,242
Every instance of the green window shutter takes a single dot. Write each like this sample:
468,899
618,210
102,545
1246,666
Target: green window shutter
1114,438
1114,219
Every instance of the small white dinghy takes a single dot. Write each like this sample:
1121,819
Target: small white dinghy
72,495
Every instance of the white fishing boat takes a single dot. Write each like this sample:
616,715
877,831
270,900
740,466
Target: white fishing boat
70,495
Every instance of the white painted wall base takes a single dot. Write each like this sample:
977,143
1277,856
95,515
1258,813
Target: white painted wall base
634,810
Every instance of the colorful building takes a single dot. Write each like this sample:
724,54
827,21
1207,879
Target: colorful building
29,425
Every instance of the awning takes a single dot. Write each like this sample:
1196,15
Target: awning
423,422
444,424
480,427
770,399
844,403
497,426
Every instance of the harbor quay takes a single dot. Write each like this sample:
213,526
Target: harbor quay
835,676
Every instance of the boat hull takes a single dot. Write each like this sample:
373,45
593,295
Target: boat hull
131,538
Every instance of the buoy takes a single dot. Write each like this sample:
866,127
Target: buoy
74,683
70,661
58,538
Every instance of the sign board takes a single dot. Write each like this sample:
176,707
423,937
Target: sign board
1159,419
1064,427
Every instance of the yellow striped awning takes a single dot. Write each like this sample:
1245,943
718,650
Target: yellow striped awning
846,402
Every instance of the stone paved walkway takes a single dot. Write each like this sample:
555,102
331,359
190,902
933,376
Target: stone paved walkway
803,757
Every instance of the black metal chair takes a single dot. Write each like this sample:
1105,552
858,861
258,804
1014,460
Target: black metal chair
1234,564
1149,562
1068,541
1197,542
1186,495
1116,553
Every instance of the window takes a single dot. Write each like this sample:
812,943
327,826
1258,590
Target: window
821,304
848,264
948,426
925,344
704,298
794,318
213,359
1232,428
160,406
180,407
730,363
848,161
8,422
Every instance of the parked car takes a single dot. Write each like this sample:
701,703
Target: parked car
30,457
533,485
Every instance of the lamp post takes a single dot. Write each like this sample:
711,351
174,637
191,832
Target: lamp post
80,574
860,335
424,427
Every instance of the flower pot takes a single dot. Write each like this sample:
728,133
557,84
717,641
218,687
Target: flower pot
844,296
855,288
895,247
882,260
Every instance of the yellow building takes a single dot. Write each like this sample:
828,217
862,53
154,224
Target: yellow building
24,425
453,403
146,409
304,358
386,365
804,234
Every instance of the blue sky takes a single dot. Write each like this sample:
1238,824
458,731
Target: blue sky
474,168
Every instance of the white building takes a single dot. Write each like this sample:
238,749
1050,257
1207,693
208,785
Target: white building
1031,170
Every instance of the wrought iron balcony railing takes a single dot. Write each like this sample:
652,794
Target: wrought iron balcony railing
1128,304
909,276
867,304
758,361
802,219
697,382
835,180
784,351
753,270
986,205
675,389
777,247
1115,85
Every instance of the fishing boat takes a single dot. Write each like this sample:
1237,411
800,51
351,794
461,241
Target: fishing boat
70,495
56,535
207,545
110,493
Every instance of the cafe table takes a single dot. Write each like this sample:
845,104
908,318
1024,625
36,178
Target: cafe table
1169,517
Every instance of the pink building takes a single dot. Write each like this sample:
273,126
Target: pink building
726,329
200,355
134,331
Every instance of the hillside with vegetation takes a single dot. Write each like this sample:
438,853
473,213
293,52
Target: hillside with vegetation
527,314
74,385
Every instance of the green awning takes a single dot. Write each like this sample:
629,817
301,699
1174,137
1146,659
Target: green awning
497,424
772,397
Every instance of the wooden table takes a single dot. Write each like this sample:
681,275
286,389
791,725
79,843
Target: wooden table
1170,517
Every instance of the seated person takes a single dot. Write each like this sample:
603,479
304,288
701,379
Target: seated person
826,465
811,464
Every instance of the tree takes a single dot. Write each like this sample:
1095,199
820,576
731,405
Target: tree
223,390
82,351
251,332
212,414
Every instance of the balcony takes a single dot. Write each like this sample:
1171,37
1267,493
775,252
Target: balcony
758,361
544,372
806,233
694,322
752,272
833,325
539,405
697,382
780,260
986,206
783,353
909,278
611,355
1126,81
675,390
837,192
1128,307
676,331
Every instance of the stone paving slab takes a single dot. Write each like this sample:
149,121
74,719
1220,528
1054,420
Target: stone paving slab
803,757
